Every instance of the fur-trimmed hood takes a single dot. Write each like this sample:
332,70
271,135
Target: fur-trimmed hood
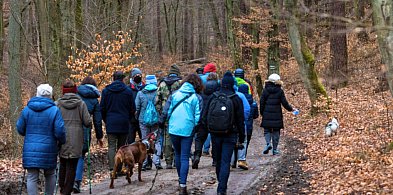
279,82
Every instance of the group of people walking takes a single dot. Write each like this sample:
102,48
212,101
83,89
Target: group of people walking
198,108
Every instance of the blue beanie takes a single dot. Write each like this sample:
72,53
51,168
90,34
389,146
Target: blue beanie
151,79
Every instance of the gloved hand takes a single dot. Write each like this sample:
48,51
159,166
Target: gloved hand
239,146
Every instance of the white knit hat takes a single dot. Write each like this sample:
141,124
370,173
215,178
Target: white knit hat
44,90
274,77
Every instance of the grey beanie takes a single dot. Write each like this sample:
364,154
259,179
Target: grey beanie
135,71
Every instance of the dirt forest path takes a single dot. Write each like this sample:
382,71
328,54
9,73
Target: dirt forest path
200,181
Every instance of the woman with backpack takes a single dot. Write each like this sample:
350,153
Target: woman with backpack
147,116
182,111
89,93
272,98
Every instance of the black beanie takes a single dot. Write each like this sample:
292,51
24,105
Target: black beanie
227,80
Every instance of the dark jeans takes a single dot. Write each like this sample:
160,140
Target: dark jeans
182,146
272,135
134,128
248,142
67,174
115,141
223,147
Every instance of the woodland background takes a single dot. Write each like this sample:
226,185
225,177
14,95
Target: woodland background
335,57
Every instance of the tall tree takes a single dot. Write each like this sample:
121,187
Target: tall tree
246,53
273,51
1,35
304,57
216,25
382,14
201,47
158,28
360,6
338,45
232,41
186,32
49,21
255,56
14,85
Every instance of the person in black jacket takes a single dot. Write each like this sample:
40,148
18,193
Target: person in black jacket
117,110
270,109
224,144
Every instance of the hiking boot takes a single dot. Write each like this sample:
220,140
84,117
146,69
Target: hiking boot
76,188
195,162
276,152
168,166
158,166
242,164
148,167
183,191
267,148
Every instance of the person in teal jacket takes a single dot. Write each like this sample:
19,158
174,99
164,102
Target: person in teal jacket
182,120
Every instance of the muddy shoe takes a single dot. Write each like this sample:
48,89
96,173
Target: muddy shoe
183,191
267,148
195,162
76,187
276,152
242,164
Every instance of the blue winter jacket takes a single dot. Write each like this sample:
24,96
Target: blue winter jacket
254,113
117,107
186,116
42,126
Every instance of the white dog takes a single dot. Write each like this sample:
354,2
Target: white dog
331,127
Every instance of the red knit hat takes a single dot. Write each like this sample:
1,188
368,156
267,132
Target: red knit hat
210,67
69,87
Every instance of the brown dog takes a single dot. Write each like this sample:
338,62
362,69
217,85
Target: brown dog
132,154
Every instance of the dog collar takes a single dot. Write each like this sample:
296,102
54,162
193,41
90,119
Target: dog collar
146,143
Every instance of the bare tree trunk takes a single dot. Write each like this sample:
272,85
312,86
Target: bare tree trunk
201,48
304,58
255,56
168,28
78,24
360,6
273,51
233,45
382,14
216,25
338,46
14,85
159,39
2,35
186,32
191,27
246,52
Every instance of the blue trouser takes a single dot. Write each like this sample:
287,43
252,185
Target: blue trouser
223,148
81,161
272,135
206,145
182,147
32,181
145,130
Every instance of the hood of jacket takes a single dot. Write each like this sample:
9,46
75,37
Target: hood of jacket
40,103
169,80
149,88
117,86
69,101
88,91
187,88
272,88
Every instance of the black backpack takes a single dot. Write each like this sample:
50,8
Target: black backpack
220,113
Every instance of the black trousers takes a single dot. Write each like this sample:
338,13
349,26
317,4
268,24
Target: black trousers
67,174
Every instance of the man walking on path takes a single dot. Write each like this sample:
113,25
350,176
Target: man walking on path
136,85
117,109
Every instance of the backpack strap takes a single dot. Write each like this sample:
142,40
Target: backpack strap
178,103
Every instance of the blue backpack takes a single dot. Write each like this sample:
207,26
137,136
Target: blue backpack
150,118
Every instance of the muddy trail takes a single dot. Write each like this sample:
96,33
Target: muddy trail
266,172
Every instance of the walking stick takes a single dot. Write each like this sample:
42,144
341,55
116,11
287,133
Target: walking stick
23,180
88,160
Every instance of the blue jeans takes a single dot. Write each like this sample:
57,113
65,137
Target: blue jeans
272,135
182,147
32,181
156,156
206,145
223,148
79,168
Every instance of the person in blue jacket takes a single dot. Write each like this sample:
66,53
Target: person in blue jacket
89,93
117,110
183,111
254,113
42,125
